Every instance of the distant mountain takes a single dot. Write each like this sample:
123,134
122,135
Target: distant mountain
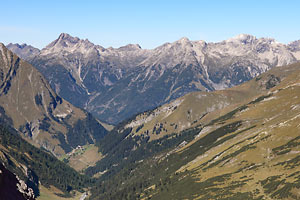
237,143
24,51
28,104
294,47
116,83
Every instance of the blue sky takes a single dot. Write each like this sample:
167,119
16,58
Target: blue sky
149,23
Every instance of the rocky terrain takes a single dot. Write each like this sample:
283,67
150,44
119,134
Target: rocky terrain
11,187
116,83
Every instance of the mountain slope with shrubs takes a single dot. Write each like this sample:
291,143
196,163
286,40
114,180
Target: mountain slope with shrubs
247,150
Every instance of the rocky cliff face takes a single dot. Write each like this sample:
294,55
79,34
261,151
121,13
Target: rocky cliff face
37,112
114,84
11,187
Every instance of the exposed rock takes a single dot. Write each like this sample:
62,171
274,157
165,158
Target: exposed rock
11,187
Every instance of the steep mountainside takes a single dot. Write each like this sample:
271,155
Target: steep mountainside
200,107
247,148
28,104
11,186
30,172
253,152
115,84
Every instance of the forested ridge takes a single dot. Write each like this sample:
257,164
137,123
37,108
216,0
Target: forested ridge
43,166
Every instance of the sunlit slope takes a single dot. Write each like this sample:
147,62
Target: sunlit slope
201,107
28,103
247,149
254,153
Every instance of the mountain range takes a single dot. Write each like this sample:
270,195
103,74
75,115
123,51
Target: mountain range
117,83
199,120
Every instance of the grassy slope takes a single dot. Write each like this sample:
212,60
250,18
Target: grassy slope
259,163
246,150
198,108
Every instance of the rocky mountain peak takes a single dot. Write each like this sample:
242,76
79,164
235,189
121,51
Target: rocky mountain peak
66,36
242,38
68,43
130,47
2,46
200,42
64,40
294,46
20,46
183,40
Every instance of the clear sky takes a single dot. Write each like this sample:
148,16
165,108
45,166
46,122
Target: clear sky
149,23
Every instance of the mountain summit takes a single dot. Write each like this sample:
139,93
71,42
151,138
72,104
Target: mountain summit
65,42
242,38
